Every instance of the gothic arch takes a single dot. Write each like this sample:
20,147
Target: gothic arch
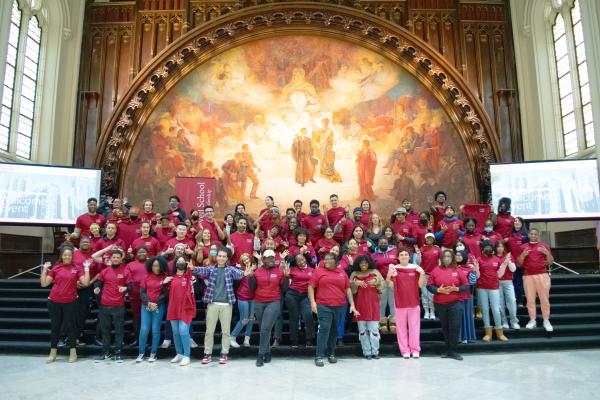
199,45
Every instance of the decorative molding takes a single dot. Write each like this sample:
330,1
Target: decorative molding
200,44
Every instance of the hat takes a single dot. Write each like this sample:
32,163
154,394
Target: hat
357,209
269,253
429,234
400,210
164,216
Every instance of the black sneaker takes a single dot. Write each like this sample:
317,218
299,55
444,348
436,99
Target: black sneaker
267,358
62,342
103,357
332,359
455,356
260,361
368,357
375,356
118,357
319,362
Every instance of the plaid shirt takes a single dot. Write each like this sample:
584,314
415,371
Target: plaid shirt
210,272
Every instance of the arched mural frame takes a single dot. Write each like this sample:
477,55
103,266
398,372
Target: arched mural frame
339,22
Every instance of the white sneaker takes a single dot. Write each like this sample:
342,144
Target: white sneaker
516,326
177,359
426,316
152,357
165,344
432,316
193,344
234,343
505,325
139,358
184,361
531,324
246,341
548,326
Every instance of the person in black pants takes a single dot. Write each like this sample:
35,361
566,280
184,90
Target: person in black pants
446,282
84,293
297,301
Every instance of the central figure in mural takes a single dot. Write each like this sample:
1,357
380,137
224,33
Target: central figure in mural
301,117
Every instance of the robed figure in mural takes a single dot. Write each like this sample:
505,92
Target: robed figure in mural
326,153
366,163
302,153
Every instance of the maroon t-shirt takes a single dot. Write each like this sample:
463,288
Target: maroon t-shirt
315,225
242,243
331,286
535,262
268,284
301,278
488,272
504,224
112,278
447,277
153,285
150,243
84,221
406,288
366,300
64,287
430,257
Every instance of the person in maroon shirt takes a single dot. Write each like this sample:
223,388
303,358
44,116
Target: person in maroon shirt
209,222
366,212
297,301
245,303
110,238
325,244
446,282
438,208
299,214
406,280
347,260
153,293
384,256
175,214
515,241
504,221
112,283
303,246
472,239
315,222
165,230
242,240
449,229
95,234
332,289
412,216
430,258
344,228
180,238
84,293
489,233
62,301
290,228
268,282
422,227
136,271
364,244
151,243
404,229
83,222
366,283
149,215
535,258
130,228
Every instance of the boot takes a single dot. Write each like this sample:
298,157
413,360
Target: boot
51,356
500,335
383,325
392,325
488,335
72,355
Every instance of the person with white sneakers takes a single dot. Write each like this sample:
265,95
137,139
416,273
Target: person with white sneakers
535,258
430,258
245,303
508,299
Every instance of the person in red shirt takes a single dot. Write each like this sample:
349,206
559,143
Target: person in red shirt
489,233
83,222
297,301
384,256
165,230
507,290
315,222
110,238
412,216
112,282
290,228
209,222
175,214
325,244
422,228
180,238
404,230
242,240
344,228
347,260
181,309
504,221
151,243
153,293
446,282
430,258
449,229
364,244
366,283
406,280
136,271
95,234
488,293
472,239
245,303
335,213
149,215
366,212
515,241
332,289
438,208
303,246
467,331
267,282
299,214
84,293
535,258
62,301
130,228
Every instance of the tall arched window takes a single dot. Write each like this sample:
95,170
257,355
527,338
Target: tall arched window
573,84
20,83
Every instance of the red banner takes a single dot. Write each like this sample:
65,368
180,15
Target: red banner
480,212
195,193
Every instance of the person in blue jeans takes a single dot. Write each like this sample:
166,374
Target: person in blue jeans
245,304
154,303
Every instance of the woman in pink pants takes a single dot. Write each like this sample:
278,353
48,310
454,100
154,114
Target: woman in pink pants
535,258
407,279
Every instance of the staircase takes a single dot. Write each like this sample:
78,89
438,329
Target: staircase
575,300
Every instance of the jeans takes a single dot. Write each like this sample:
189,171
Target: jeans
489,299
329,317
368,334
246,311
298,304
115,317
426,299
135,303
386,301
181,337
150,322
63,315
341,327
266,316
508,300
221,313
518,284
450,316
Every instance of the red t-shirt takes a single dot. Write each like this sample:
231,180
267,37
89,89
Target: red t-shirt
268,284
171,243
182,305
315,225
84,221
504,224
129,231
347,261
211,226
242,243
347,226
404,229
294,250
413,218
508,275
473,243
326,244
515,244
80,256
301,278
175,216
430,257
419,232
334,215
148,217
366,300
331,286
450,235
466,270
535,262
480,212
163,234
492,236
447,277
488,272
406,287
112,278
363,248
136,271
383,260
153,285
366,218
105,242
150,243
438,215
244,292
64,287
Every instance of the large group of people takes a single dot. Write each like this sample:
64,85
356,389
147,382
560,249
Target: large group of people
333,262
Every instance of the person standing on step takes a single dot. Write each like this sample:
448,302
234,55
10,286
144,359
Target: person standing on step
446,282
245,303
137,272
467,331
384,256
430,258
535,258
332,288
366,283
507,289
297,301
62,300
